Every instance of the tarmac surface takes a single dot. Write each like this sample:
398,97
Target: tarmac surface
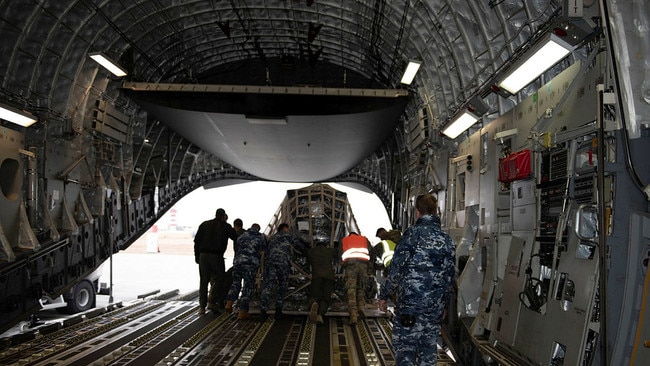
156,262
146,267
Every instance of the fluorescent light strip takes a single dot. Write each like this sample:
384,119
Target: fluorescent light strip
459,125
551,52
266,121
17,116
409,73
108,64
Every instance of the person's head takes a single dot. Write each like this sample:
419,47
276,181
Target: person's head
221,214
283,227
381,231
426,204
238,224
255,227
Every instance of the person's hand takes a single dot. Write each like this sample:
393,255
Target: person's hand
383,305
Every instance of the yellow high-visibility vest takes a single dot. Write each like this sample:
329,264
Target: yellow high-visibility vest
389,249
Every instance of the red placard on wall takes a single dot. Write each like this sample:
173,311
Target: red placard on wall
515,166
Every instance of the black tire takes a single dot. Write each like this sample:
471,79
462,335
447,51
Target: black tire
83,298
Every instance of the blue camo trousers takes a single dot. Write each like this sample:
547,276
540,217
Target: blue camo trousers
418,344
247,275
281,275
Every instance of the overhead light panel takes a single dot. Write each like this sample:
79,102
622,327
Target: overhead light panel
539,58
459,124
266,120
108,64
474,109
409,74
16,116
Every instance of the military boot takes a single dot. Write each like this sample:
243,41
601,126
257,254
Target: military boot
243,315
361,305
313,313
229,305
353,317
279,314
263,316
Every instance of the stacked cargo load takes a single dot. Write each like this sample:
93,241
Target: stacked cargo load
316,214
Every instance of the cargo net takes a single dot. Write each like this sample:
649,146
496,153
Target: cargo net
316,214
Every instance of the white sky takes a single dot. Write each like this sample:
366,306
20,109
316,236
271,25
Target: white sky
256,202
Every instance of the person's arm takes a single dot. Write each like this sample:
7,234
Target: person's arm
400,257
197,242
232,234
298,245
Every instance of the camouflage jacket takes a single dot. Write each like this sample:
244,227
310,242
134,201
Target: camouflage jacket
249,246
279,248
422,269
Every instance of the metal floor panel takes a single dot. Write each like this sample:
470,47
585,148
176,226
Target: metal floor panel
171,332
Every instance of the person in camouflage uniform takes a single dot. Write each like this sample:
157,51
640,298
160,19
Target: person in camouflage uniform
247,260
357,259
420,276
278,268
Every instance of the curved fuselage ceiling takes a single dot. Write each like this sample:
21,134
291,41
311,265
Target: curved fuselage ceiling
280,136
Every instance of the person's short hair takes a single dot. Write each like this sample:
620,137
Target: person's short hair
220,212
283,226
238,223
380,231
256,227
427,204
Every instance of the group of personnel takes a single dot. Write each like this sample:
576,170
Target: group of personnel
417,275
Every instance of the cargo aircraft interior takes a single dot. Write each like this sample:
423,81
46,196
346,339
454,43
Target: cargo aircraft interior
529,121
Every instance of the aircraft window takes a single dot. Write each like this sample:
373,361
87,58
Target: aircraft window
9,179
586,227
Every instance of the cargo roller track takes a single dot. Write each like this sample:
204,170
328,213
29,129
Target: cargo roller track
171,332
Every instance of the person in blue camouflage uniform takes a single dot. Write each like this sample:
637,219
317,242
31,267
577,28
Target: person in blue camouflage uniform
278,268
245,265
420,277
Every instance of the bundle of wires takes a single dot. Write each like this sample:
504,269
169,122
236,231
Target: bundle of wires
534,294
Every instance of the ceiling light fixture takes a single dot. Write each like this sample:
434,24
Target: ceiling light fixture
411,69
108,64
266,120
16,116
475,109
459,124
539,58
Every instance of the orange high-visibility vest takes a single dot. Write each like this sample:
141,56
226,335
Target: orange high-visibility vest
355,247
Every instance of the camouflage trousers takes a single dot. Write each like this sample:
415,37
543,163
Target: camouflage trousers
417,344
275,274
247,275
356,274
